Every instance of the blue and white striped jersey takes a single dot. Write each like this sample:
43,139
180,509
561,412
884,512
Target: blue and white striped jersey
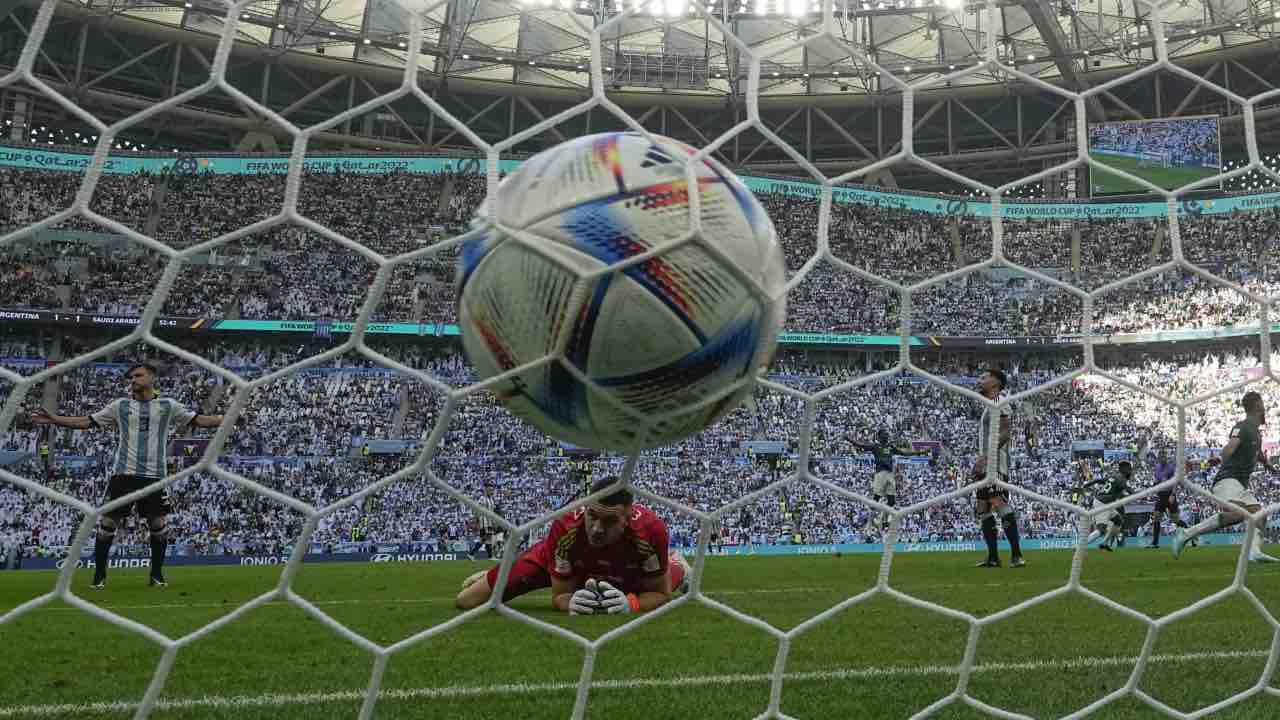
144,428
984,436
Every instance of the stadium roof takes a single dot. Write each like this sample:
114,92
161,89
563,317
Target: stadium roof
667,46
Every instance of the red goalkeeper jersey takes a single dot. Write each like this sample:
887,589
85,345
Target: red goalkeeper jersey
641,553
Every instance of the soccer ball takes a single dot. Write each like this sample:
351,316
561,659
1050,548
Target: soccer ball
664,341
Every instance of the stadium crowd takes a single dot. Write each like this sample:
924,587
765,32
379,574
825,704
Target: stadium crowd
305,433
312,434
292,272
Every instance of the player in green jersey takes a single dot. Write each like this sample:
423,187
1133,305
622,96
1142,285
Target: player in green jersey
1110,524
1231,486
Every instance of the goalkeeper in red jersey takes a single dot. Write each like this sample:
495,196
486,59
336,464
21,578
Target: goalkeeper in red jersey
607,557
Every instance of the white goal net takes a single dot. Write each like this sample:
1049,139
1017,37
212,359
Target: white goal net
906,92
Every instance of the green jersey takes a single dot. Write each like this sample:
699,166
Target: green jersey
1113,488
1242,462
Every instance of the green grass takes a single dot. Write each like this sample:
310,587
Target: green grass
877,659
1105,183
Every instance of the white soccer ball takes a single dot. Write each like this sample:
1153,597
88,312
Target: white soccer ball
666,338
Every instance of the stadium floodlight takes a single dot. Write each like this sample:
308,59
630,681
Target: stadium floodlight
675,8
796,8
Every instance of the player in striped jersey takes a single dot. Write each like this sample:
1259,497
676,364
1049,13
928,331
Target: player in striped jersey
993,502
486,528
143,421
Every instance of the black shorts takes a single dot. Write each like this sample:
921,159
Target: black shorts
153,505
1166,504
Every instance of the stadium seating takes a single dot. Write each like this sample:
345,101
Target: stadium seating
288,272
301,435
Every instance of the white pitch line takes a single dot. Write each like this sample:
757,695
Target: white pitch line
222,702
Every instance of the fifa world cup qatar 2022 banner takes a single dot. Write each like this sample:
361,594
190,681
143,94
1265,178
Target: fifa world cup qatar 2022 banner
395,556
232,164
1064,543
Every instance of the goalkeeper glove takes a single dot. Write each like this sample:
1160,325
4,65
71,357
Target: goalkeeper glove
585,601
613,601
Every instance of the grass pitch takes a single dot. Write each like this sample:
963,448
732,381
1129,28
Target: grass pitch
878,659
1104,183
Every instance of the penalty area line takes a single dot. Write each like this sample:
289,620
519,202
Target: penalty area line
461,691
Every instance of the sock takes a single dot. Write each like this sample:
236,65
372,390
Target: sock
101,548
989,534
1155,533
159,541
1011,534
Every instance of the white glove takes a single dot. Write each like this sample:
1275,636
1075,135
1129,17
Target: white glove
585,601
612,600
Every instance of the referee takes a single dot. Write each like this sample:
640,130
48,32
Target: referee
143,421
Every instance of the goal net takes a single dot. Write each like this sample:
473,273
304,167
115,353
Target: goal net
907,295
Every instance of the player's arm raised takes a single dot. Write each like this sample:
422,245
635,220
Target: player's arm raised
40,416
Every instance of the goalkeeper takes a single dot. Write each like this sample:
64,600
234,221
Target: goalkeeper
607,557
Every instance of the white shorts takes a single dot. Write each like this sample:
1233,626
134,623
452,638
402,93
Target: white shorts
884,483
1230,490
1106,517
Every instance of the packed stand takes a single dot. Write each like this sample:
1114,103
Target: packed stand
303,434
291,273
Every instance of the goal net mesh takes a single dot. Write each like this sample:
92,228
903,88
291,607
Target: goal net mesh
906,91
